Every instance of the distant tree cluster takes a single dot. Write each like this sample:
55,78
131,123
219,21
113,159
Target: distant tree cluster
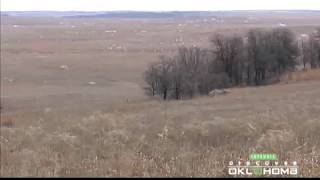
184,75
256,59
310,50
270,53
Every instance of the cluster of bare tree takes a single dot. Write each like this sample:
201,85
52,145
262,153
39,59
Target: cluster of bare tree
184,75
259,58
271,53
310,49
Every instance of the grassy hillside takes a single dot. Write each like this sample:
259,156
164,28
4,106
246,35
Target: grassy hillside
186,138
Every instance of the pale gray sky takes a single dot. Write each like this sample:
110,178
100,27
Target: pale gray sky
156,5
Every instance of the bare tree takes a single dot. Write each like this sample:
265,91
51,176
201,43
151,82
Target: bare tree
256,59
305,52
189,60
164,79
315,49
151,77
310,50
229,50
285,49
158,77
270,53
177,79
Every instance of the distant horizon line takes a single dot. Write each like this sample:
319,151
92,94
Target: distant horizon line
159,10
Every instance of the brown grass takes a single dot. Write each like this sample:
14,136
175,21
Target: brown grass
186,138
305,75
55,124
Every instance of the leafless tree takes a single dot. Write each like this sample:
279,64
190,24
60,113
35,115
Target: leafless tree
229,50
177,79
151,77
260,57
270,53
305,52
314,48
164,79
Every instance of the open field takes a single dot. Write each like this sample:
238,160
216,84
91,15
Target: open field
49,62
73,103
178,138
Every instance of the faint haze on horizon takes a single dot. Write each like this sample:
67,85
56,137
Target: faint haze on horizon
163,5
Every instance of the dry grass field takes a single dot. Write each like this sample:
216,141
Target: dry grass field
73,103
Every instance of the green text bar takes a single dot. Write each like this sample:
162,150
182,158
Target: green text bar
263,157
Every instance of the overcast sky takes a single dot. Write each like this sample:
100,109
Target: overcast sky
156,5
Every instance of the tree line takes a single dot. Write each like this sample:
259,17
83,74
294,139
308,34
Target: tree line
258,58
